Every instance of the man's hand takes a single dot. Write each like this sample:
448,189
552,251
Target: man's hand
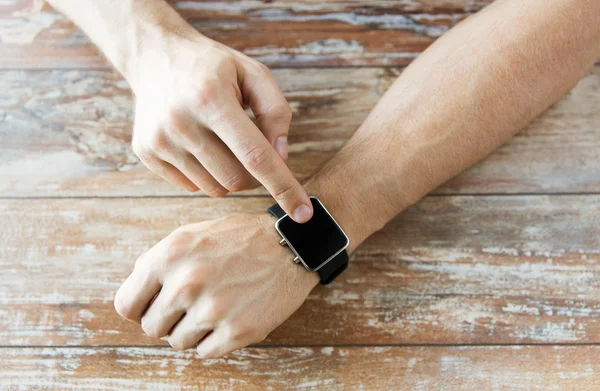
225,283
190,126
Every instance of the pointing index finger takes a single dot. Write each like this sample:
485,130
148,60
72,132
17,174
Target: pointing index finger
261,160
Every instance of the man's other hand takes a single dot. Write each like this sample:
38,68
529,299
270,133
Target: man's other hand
191,127
219,285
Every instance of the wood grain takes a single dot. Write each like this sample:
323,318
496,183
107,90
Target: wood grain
67,133
298,33
451,270
547,368
462,274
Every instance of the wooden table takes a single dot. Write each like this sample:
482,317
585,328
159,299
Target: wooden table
491,282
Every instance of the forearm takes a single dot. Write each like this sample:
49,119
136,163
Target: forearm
462,98
124,29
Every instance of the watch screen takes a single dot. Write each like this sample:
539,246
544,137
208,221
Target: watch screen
316,240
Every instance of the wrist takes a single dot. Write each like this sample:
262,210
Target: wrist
298,274
361,194
343,210
157,34
338,189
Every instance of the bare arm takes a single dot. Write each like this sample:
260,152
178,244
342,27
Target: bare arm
190,125
122,28
461,99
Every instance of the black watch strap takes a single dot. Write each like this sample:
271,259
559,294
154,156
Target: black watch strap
331,269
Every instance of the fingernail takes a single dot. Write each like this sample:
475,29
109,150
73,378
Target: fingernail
281,145
302,214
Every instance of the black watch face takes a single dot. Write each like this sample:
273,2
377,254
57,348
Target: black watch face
315,241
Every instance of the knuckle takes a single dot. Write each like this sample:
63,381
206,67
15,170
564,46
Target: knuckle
181,237
256,159
149,269
287,114
241,333
202,271
177,124
169,259
178,344
224,60
123,309
146,269
183,163
216,192
258,336
139,149
261,68
141,261
184,295
282,112
230,331
158,141
284,193
238,182
207,93
150,329
213,311
201,148
177,244
187,290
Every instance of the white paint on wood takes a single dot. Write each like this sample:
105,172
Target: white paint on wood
25,24
528,368
67,133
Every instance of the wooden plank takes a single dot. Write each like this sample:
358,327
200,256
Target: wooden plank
546,368
460,270
67,133
299,33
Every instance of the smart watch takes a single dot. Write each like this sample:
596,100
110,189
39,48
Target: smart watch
319,244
